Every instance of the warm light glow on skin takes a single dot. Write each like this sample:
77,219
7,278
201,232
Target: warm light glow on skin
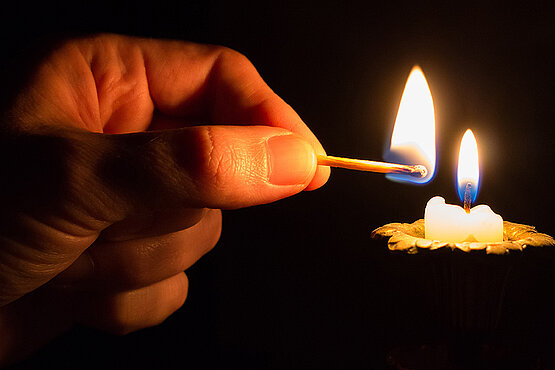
468,170
413,138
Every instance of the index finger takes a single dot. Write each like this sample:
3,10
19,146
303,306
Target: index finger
192,80
118,84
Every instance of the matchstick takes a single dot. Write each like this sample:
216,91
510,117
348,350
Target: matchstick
371,166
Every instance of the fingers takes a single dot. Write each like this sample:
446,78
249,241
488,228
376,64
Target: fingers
71,185
228,90
124,312
117,84
37,318
140,262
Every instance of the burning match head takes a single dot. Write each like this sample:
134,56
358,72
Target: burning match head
419,171
413,137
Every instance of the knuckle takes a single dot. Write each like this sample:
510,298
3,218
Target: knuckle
222,166
226,58
226,54
135,310
131,275
123,318
218,163
215,225
131,267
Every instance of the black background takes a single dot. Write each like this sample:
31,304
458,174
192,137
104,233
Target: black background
298,283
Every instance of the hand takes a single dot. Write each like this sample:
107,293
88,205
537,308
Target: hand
111,189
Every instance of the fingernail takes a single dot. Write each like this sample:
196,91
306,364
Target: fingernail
291,160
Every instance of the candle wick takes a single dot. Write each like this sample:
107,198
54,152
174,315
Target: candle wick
467,198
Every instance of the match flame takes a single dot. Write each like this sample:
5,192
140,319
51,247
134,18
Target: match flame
469,168
413,138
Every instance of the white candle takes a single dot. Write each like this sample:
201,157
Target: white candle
450,223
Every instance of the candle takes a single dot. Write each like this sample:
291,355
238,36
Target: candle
449,222
452,223
445,225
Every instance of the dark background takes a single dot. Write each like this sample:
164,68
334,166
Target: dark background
298,283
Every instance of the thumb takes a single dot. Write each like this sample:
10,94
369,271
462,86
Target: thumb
205,166
62,186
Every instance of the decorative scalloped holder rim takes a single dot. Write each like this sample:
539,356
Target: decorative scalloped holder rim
410,238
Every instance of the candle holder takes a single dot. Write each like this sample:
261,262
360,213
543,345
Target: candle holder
410,238
462,303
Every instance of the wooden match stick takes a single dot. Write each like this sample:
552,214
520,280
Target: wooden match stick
371,166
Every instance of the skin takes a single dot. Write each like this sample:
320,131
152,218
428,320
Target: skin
112,188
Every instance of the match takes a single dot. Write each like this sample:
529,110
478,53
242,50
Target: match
371,166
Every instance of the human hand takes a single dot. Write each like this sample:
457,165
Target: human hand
111,190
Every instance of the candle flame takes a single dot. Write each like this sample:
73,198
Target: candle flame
413,137
468,171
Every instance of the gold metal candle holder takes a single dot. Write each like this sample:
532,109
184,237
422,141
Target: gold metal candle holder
411,238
